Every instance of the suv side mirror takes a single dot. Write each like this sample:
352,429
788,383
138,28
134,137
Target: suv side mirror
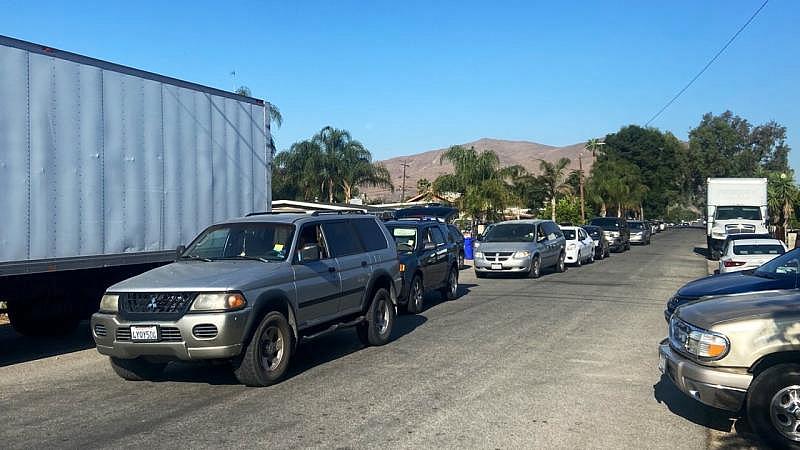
179,251
429,246
309,252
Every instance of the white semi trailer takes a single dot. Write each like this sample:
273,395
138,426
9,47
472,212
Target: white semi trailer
735,206
105,170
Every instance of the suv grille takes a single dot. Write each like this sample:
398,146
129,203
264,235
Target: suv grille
205,331
168,334
497,256
155,303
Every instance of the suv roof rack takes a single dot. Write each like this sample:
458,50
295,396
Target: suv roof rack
263,213
320,213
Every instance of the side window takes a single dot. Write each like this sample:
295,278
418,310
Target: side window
426,236
311,243
438,237
371,235
552,230
540,232
341,238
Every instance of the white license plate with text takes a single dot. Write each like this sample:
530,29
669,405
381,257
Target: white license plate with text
497,267
144,333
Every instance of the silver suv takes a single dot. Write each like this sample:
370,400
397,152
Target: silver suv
521,247
249,291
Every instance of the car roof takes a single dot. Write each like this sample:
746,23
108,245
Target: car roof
522,221
290,218
739,242
736,237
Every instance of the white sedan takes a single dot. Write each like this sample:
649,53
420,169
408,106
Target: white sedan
747,254
580,246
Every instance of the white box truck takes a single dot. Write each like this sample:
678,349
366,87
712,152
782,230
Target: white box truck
735,206
105,170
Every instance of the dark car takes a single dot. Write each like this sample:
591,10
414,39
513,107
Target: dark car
428,260
602,249
457,238
616,231
779,273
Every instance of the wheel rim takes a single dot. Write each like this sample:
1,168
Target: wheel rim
418,294
785,412
453,283
272,348
382,317
561,262
536,266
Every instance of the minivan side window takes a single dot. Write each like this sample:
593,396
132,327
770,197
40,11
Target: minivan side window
340,237
370,234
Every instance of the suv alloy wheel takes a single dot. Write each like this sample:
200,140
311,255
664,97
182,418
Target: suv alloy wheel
773,405
450,290
416,296
266,357
377,328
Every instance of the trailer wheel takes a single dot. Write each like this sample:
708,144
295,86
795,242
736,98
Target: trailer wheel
33,317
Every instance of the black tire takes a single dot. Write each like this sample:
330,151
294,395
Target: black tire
450,289
267,355
33,317
578,261
627,246
377,328
416,296
137,369
591,257
762,394
461,264
561,266
536,267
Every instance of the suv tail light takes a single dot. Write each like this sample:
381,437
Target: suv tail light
731,263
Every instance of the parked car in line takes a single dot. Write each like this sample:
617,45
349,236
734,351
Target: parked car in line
778,273
616,232
249,290
640,232
457,238
601,248
735,237
653,226
740,353
521,247
580,247
748,254
428,261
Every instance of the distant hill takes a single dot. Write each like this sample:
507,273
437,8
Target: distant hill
426,164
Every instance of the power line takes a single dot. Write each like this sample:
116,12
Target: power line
709,63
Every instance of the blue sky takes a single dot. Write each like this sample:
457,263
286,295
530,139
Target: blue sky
410,76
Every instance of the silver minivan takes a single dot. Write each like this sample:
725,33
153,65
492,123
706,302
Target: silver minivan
248,291
520,247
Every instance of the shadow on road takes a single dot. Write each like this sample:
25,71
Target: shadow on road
741,436
434,299
17,348
702,251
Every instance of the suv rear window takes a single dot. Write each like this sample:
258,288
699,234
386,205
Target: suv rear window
371,235
340,238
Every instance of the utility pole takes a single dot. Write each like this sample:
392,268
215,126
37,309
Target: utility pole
580,177
405,164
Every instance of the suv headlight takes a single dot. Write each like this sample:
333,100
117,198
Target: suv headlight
703,344
522,254
479,254
218,302
109,303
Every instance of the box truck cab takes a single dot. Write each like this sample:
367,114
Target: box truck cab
735,206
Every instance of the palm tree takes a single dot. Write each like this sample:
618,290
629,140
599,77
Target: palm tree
555,181
782,193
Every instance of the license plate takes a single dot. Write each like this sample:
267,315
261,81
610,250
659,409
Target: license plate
147,333
662,363
497,267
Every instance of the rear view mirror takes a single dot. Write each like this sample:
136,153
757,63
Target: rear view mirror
309,252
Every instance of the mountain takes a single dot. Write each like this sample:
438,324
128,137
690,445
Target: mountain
426,164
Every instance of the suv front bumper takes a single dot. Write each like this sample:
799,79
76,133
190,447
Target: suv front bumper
187,346
711,386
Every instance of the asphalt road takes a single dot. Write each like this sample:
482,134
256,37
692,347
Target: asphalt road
565,361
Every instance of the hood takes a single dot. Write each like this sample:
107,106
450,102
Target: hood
198,276
776,305
732,283
504,246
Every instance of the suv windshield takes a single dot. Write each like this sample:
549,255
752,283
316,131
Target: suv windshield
781,267
636,225
569,235
405,238
266,241
606,223
738,212
510,232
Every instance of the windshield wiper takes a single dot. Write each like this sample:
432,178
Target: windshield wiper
254,258
196,258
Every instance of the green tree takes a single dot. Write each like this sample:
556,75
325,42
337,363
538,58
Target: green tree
423,186
568,209
484,186
782,194
554,179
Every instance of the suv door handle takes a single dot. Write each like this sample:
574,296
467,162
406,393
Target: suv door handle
331,269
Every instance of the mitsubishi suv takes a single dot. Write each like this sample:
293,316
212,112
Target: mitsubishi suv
249,290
